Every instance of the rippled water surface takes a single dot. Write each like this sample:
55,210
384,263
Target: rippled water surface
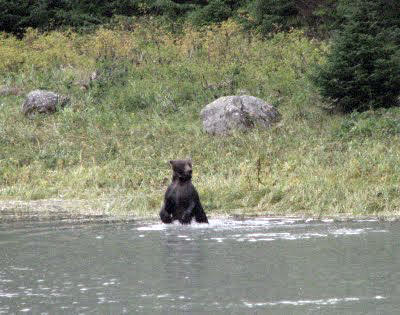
261,266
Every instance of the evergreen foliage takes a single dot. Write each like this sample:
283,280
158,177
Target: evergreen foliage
265,16
363,68
215,11
269,16
17,15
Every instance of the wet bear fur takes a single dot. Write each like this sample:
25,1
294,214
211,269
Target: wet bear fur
181,200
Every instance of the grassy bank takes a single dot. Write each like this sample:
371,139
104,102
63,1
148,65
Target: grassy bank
113,143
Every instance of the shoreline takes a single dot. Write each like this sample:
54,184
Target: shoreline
83,211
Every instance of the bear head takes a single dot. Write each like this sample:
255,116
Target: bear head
182,169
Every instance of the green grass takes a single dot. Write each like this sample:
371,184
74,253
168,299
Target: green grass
112,145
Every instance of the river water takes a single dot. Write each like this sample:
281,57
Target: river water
255,266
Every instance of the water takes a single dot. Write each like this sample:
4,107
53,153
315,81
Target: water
262,266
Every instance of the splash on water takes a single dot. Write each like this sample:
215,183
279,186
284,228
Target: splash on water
259,230
330,301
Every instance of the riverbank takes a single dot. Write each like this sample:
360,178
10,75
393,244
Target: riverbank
82,212
112,144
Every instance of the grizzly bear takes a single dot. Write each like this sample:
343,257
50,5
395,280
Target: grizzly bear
181,200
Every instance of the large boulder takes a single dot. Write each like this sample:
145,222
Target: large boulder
237,112
44,102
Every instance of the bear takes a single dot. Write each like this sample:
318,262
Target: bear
181,200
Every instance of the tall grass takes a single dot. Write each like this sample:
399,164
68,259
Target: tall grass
112,144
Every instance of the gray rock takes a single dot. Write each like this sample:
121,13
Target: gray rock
43,102
237,112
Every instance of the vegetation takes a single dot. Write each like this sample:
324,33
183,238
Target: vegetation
113,143
264,16
363,67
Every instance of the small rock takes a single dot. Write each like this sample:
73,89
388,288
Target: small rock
43,102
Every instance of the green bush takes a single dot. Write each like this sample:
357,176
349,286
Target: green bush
362,70
269,16
17,15
216,11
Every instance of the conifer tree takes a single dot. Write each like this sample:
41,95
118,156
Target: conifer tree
269,16
363,68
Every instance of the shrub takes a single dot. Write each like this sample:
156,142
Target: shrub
269,16
362,70
216,11
17,15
